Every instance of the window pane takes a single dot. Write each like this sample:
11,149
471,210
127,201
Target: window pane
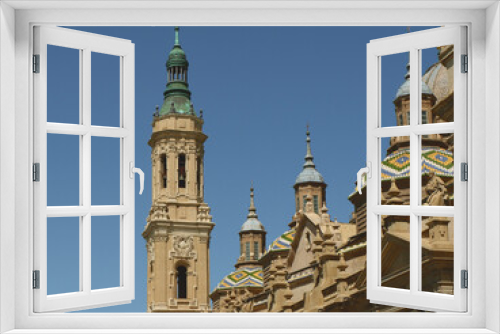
437,254
105,90
437,170
63,255
105,171
105,252
63,170
63,85
395,252
395,90
395,167
437,84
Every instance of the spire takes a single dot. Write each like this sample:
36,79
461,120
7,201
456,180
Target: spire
309,157
252,211
252,223
309,172
176,36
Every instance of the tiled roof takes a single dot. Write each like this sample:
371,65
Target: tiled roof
434,159
282,242
242,278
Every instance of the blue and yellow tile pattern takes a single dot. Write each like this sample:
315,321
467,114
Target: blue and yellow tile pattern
434,159
242,278
282,242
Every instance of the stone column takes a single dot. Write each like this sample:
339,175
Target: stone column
162,276
191,172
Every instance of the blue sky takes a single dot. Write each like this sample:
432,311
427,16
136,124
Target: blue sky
258,88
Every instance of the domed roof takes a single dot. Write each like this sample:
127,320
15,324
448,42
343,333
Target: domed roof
397,164
434,159
283,242
404,89
244,277
177,96
252,223
177,56
309,173
436,78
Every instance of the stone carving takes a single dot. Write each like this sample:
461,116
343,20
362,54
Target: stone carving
158,212
204,213
183,245
436,191
309,204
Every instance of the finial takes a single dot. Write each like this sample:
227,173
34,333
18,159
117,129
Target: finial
176,36
309,157
201,113
191,109
157,111
252,211
407,75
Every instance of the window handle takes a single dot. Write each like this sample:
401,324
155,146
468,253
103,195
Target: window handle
365,170
139,171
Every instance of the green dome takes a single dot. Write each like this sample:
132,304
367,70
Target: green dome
177,96
177,57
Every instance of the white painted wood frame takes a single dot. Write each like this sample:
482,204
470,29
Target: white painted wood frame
86,43
413,43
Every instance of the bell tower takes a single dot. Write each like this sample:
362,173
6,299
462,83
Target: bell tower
179,224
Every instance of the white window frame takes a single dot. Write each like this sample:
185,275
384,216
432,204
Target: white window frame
16,21
412,44
85,43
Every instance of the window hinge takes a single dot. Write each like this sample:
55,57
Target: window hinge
36,63
464,171
465,279
36,279
36,172
465,64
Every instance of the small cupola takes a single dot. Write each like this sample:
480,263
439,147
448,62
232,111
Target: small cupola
252,223
177,96
309,173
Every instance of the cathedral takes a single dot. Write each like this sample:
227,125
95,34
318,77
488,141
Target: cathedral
317,264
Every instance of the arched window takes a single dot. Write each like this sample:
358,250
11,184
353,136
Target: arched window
163,169
247,251
181,282
182,170
255,250
316,204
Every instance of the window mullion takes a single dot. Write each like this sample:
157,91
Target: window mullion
414,169
85,164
